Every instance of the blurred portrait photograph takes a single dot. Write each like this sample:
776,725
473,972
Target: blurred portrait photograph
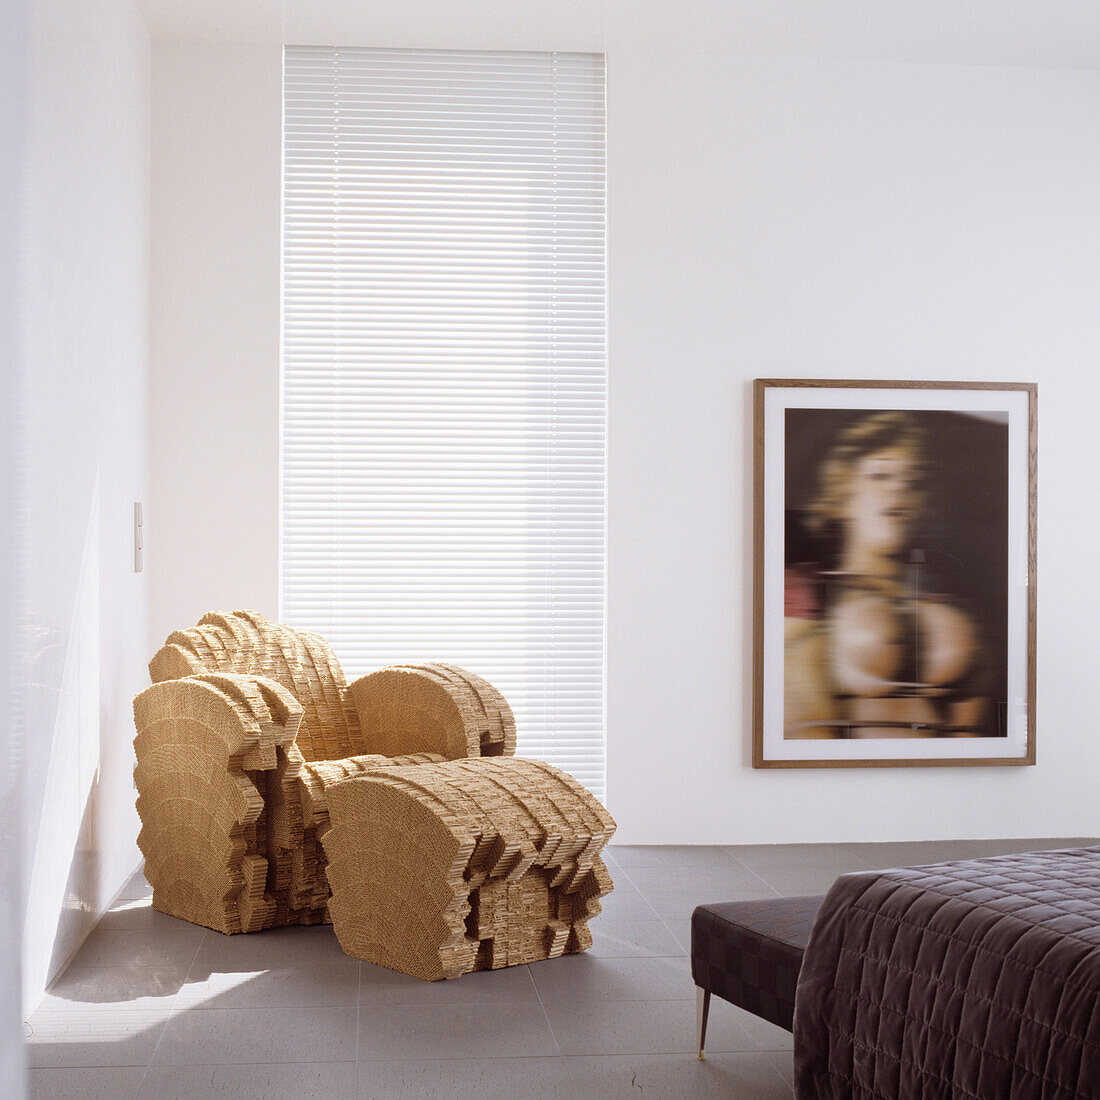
894,595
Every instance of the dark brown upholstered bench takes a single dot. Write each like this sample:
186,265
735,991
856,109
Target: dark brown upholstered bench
750,953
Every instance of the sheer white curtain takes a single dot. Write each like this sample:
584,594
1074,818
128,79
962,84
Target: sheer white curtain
444,372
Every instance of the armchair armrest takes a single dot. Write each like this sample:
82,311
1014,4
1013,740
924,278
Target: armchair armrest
240,718
431,708
202,745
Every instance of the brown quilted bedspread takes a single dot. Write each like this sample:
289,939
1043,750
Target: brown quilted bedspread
979,978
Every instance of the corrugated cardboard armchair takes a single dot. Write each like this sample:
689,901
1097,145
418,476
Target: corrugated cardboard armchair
271,792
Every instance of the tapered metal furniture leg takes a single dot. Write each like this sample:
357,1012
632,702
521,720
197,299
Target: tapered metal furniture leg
702,1008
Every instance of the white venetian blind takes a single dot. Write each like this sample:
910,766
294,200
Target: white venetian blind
444,373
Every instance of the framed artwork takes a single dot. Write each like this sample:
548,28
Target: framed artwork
894,573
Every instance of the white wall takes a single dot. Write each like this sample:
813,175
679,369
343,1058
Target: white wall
13,107
214,401
770,215
824,219
84,330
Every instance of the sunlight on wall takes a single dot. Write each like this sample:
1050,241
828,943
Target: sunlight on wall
63,696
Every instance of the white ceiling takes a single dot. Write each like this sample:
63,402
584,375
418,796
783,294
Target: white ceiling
1045,33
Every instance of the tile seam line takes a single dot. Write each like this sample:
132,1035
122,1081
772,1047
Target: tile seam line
755,874
542,1009
172,1010
264,1062
634,886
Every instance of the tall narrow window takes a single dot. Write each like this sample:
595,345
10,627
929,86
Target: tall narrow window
444,373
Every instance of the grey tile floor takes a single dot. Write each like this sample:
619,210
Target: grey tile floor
154,1007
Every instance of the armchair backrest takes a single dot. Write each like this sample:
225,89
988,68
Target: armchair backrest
246,643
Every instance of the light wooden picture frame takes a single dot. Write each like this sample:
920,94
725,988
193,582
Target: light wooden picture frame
894,584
